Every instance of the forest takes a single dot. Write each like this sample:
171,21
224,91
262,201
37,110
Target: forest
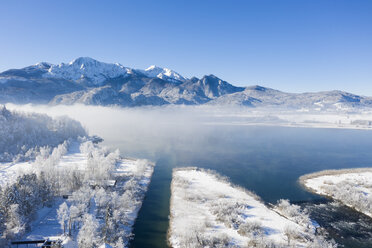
95,199
22,134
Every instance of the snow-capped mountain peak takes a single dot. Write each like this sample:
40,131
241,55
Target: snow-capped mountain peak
86,80
92,72
43,65
87,70
153,68
163,73
84,60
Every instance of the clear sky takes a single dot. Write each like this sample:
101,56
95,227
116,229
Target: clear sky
295,46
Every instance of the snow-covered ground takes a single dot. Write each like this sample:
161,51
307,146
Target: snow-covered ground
208,211
352,187
47,225
10,171
74,159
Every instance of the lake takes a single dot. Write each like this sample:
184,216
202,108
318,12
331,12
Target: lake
266,160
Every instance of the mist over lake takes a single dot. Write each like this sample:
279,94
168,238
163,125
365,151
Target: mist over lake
265,159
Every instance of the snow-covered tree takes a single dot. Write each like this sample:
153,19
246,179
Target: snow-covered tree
119,243
101,163
87,237
63,216
102,199
292,234
14,223
294,212
21,134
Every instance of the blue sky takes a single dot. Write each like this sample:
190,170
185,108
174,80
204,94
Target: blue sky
295,46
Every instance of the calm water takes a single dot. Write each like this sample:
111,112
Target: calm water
266,160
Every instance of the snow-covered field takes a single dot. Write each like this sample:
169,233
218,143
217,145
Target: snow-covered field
352,187
73,159
208,211
10,171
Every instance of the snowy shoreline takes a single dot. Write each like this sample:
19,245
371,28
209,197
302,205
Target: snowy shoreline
351,187
206,210
293,125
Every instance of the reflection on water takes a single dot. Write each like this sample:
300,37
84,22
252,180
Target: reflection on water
266,160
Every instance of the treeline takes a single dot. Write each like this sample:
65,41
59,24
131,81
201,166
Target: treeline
22,134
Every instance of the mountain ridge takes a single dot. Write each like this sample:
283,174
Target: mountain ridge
89,81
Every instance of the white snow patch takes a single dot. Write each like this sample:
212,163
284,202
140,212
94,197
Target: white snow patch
351,187
10,171
197,194
74,159
85,68
163,73
4,80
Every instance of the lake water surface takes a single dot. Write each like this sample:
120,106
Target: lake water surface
266,160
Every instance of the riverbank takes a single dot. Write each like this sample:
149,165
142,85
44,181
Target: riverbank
207,210
351,187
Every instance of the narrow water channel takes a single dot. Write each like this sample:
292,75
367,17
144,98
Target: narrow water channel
152,222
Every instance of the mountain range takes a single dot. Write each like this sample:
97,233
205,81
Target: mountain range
88,81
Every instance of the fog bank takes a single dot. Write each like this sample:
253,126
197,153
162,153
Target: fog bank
149,129
145,131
